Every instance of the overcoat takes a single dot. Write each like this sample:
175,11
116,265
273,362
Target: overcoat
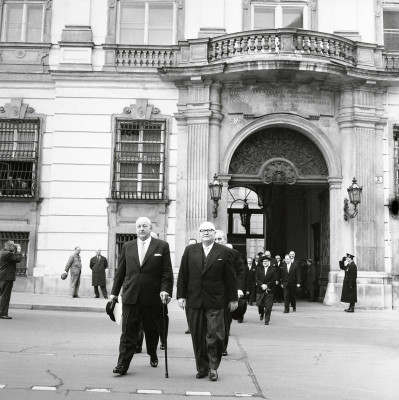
98,267
349,287
312,277
8,265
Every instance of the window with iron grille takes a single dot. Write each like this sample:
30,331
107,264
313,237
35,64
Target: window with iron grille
21,238
121,239
139,160
19,140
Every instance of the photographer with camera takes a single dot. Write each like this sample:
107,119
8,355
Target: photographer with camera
10,256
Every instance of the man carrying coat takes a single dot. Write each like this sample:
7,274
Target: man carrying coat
349,287
98,265
206,285
145,272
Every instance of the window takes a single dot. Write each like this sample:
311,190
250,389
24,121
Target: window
139,160
146,22
18,157
21,238
278,16
391,30
23,21
121,239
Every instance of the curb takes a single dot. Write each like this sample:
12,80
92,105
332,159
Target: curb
56,308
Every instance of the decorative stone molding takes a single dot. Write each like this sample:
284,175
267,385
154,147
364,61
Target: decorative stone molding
141,110
279,170
15,109
273,143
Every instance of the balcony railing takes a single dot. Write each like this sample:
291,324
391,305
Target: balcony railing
282,41
294,44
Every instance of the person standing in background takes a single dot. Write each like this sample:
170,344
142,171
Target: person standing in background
98,265
74,266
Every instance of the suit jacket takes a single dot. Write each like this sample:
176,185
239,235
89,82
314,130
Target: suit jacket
349,286
146,282
293,277
211,287
98,267
269,279
239,269
278,269
8,265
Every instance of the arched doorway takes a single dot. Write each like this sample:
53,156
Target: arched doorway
289,175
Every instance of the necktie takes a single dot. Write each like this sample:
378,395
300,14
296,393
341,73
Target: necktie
206,251
142,253
288,267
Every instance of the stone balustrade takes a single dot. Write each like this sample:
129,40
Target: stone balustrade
145,56
278,41
391,62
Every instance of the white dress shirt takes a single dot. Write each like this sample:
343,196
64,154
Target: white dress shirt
142,252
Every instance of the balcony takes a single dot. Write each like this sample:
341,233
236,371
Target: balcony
260,45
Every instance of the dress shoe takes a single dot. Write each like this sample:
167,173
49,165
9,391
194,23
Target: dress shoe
213,375
201,374
138,349
120,369
162,346
5,317
75,296
105,297
187,332
294,309
224,353
286,311
154,360
96,296
261,317
350,310
239,320
266,322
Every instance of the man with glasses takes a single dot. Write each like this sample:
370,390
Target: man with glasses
205,285
145,272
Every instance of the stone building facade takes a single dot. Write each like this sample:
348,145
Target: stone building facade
114,109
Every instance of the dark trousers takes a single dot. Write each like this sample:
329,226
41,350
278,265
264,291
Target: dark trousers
103,291
252,294
132,314
5,295
289,297
279,294
163,330
264,301
227,324
207,333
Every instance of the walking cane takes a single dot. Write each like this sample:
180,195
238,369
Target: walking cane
165,338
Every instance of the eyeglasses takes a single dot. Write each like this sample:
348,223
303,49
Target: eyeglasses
218,239
206,230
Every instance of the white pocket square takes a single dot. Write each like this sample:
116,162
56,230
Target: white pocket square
157,255
219,259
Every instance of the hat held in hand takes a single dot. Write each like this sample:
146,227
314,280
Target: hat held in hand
109,308
64,276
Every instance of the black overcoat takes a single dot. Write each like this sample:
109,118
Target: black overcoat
98,267
349,287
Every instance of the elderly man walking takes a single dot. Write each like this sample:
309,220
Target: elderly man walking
206,285
10,256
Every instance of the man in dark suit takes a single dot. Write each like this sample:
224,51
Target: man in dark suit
221,238
98,265
255,265
266,282
278,294
250,281
206,285
10,256
145,272
349,286
290,280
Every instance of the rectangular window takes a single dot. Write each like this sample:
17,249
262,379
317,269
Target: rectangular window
139,160
21,238
278,16
391,30
146,22
23,21
19,140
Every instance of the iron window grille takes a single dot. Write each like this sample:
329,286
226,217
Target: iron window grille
21,238
121,239
19,141
139,160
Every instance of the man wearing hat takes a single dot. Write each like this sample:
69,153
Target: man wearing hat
349,287
266,278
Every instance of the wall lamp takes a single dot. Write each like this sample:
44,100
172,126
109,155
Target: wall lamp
215,189
355,198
